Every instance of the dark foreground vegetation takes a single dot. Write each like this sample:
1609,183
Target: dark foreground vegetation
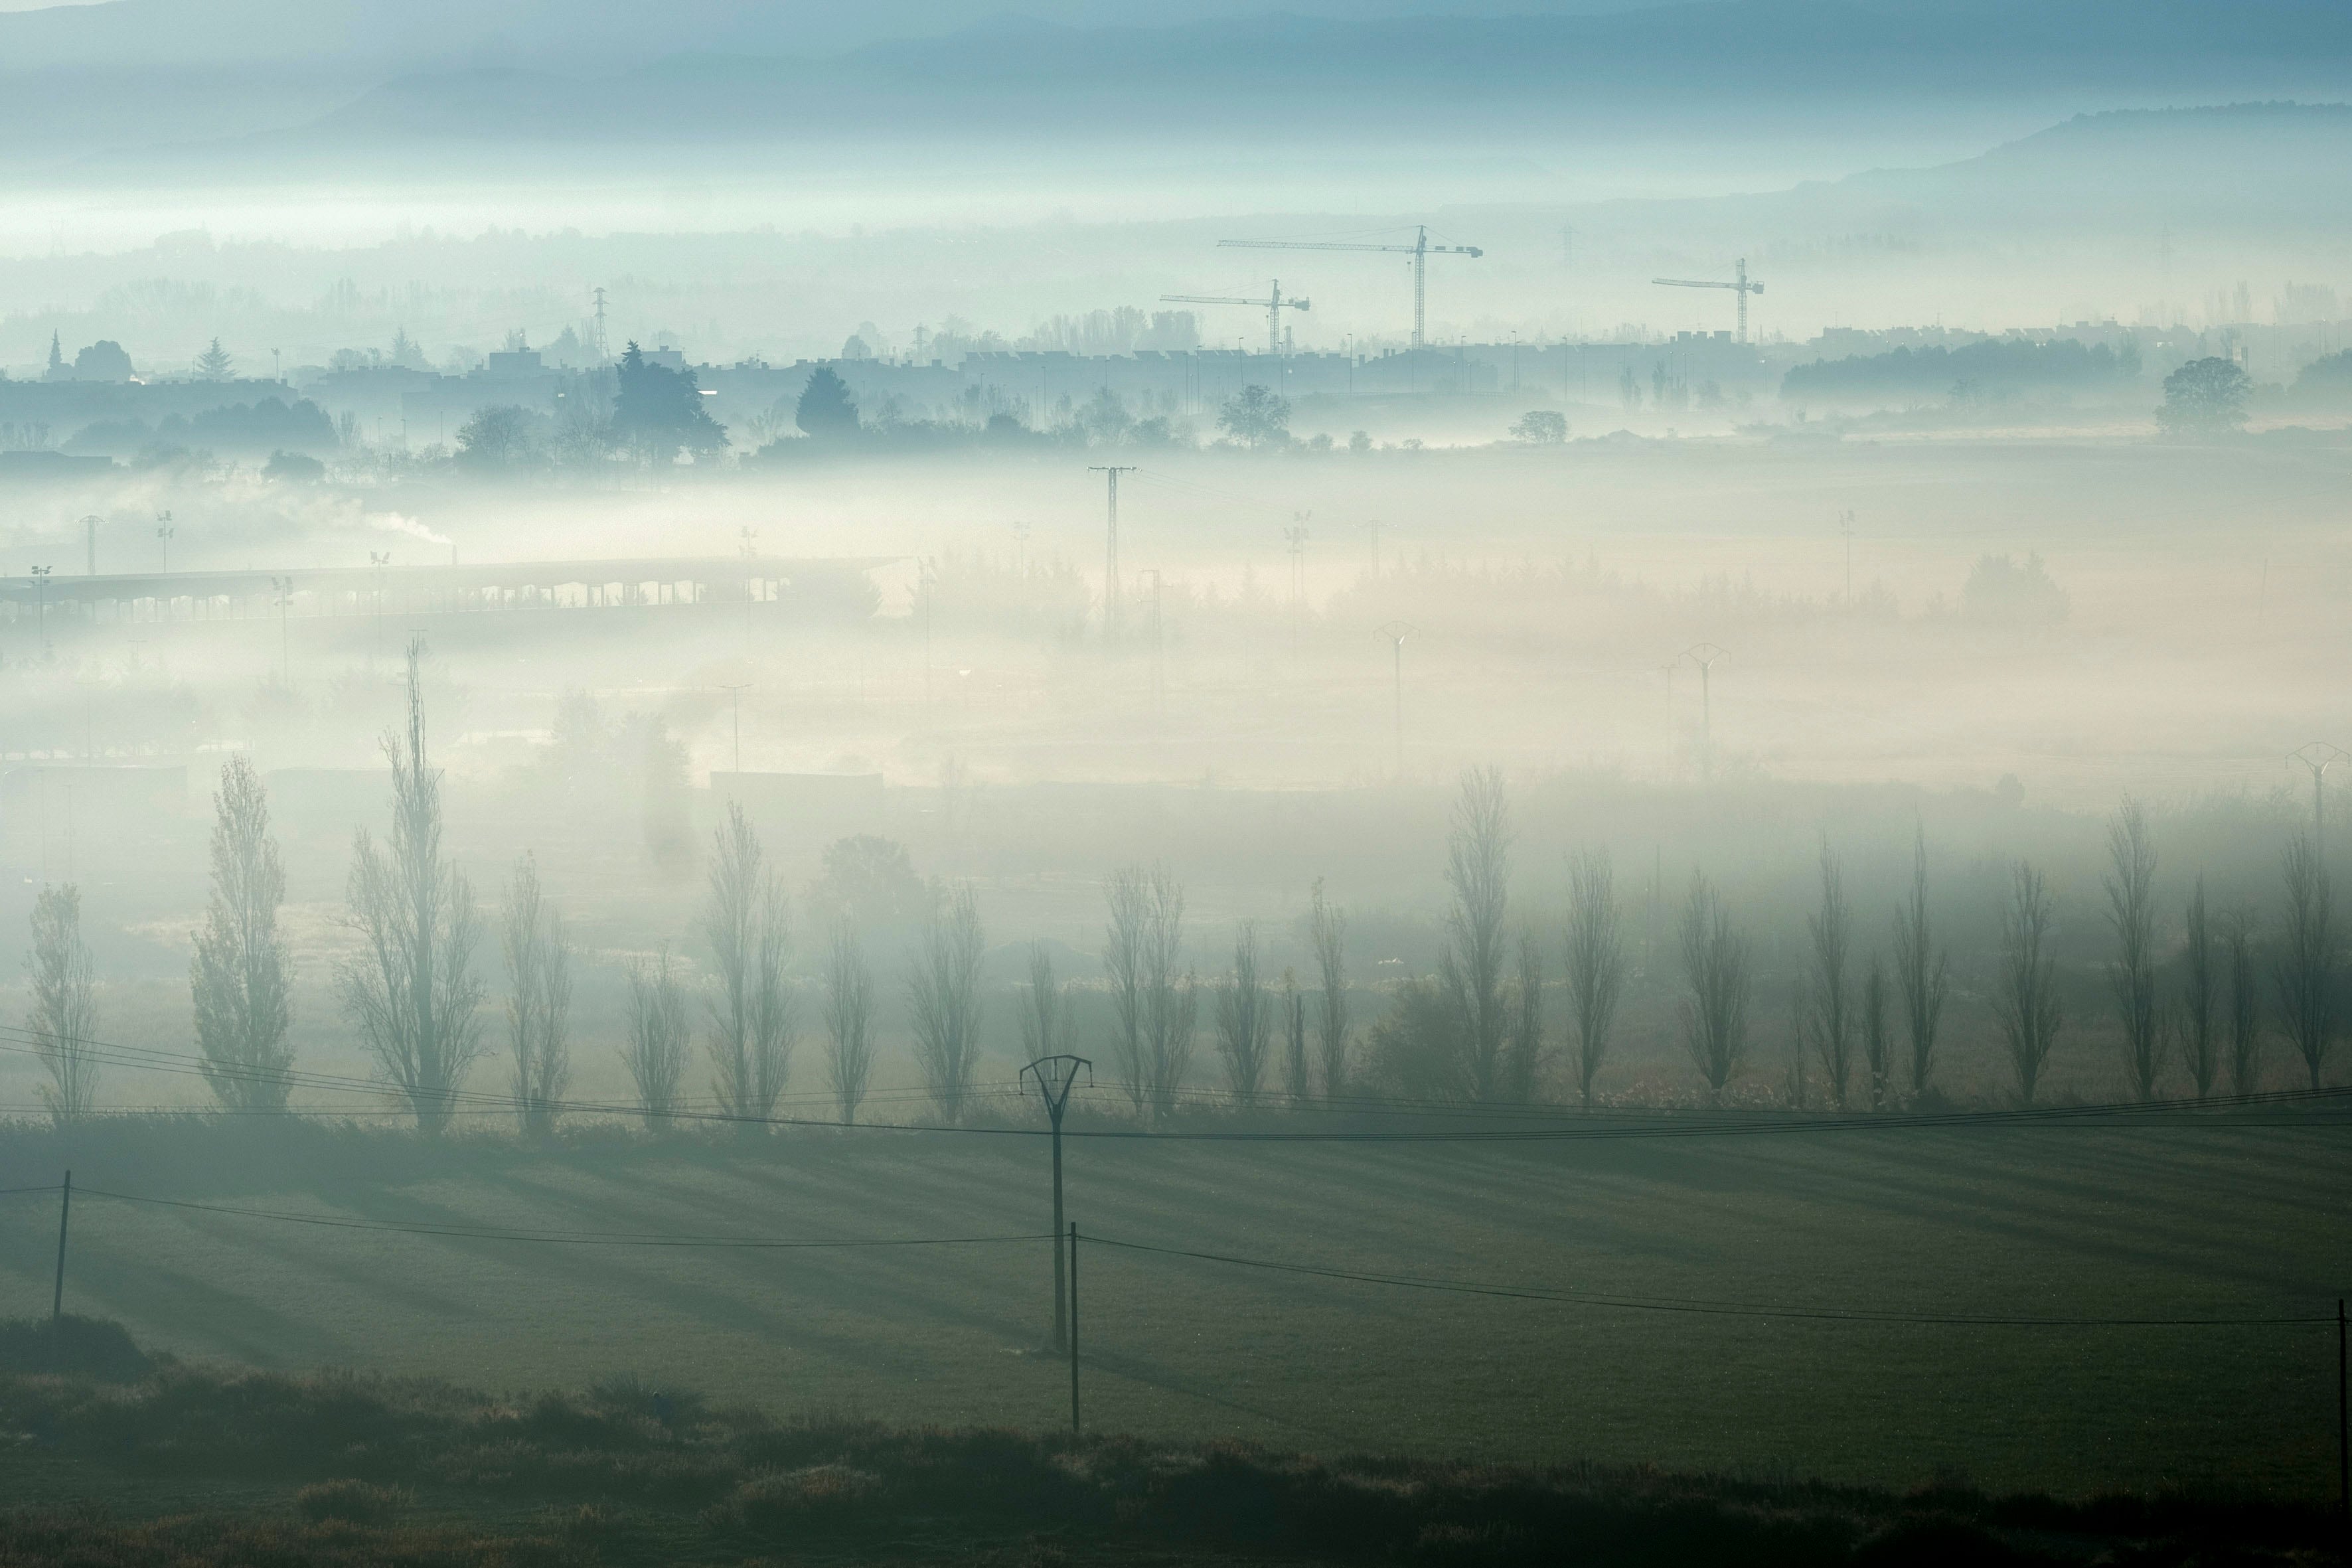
119,1459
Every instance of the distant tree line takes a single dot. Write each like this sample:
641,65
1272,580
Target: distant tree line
1994,368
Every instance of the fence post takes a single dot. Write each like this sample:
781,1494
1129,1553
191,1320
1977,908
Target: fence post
57,1293
1074,1328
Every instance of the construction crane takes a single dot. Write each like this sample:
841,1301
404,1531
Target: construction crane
1421,251
1741,285
1273,305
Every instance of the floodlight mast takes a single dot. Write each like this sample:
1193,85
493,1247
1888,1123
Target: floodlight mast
1056,1076
2319,756
1706,656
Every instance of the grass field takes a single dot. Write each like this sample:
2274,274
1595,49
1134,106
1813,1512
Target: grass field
2172,1220
133,1463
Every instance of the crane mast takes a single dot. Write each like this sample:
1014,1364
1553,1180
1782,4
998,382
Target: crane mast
1273,305
1740,285
1420,251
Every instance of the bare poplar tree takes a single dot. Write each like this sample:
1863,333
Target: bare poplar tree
1125,944
1477,868
2025,991
1825,1014
750,1015
2131,914
1877,1035
64,1013
1327,927
2310,953
412,992
2201,990
1922,972
1158,1007
1522,1057
1244,1019
1596,963
849,1019
2245,1003
238,975
943,995
1715,966
660,1034
1296,1079
1049,1026
539,1007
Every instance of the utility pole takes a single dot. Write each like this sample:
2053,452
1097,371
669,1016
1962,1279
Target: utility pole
1706,656
89,535
603,353
1056,1076
57,1291
1074,1328
282,590
2319,756
163,532
735,692
1297,535
1396,632
1110,559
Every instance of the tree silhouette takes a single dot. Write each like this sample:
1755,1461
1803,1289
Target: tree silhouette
826,411
658,413
2204,396
213,363
1256,417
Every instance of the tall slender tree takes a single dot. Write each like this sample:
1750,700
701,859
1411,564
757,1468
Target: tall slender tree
239,975
63,1017
2245,1003
1244,1019
2131,974
750,1013
539,1005
849,1019
2025,991
1596,963
1715,967
1877,1035
1922,972
943,995
2200,992
2310,956
1523,1054
661,1032
1049,1025
1297,1078
1827,1013
1478,869
412,992
1328,930
1156,1001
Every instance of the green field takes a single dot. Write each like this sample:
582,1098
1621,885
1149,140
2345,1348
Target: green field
2159,1220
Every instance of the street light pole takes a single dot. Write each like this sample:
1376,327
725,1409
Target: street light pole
1396,632
1706,656
1054,1077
